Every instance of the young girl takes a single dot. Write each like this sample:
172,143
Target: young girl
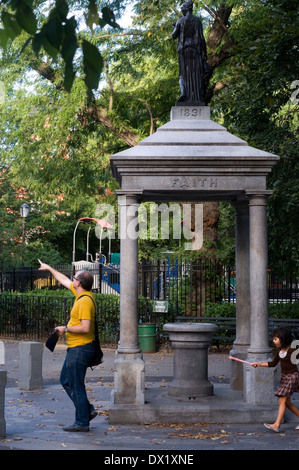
289,383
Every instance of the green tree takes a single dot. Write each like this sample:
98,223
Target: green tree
256,104
57,139
61,138
11,230
50,28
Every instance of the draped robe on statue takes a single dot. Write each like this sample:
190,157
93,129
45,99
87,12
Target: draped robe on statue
192,52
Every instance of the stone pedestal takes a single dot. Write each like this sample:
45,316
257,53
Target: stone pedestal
190,342
3,378
259,386
128,380
31,354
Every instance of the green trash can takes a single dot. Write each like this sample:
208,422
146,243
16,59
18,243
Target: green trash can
147,337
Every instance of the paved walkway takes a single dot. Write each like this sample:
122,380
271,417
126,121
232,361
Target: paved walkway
34,419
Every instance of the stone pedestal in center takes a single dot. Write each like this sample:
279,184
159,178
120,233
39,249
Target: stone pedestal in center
190,342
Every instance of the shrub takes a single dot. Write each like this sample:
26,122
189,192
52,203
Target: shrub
221,310
284,310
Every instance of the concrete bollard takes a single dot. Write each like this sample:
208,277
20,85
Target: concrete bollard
3,378
2,353
31,354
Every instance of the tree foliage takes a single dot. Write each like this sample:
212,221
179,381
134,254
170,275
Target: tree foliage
79,88
50,28
256,104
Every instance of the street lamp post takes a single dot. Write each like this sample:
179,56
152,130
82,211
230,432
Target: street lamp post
24,211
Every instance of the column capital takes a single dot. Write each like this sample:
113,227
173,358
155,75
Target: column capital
258,198
127,200
256,192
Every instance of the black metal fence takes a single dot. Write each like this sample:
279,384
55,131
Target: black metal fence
194,284
106,278
33,317
199,283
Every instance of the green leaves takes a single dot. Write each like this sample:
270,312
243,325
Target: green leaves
68,49
93,64
108,18
11,28
22,19
25,17
256,105
58,35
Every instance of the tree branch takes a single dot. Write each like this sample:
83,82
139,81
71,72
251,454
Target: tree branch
110,84
216,17
152,128
98,113
48,72
105,36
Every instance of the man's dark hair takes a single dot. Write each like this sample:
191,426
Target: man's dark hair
284,334
86,279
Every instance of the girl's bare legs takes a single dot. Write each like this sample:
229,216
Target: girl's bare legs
281,411
284,402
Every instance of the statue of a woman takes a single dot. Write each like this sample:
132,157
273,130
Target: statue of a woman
192,52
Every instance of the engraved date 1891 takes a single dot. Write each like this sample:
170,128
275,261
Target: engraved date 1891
190,112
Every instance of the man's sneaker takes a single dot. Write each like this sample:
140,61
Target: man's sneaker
76,428
93,414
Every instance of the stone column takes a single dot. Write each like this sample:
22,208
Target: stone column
242,340
259,383
129,364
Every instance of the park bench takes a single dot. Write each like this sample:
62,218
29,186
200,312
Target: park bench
227,327
292,323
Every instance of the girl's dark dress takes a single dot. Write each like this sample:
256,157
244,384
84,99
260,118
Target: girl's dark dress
289,382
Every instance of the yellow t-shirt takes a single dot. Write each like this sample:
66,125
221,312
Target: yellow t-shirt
83,309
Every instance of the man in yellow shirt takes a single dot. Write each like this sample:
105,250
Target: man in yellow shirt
80,342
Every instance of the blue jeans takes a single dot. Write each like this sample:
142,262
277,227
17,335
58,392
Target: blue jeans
72,379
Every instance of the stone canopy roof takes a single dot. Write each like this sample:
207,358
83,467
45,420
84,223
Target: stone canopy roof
192,158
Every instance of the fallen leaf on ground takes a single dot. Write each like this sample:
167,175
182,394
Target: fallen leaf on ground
201,435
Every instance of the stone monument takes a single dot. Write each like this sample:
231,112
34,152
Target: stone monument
193,159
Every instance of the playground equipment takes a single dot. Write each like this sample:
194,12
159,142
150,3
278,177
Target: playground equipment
103,224
104,274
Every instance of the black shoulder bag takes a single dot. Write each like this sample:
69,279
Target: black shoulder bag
98,353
